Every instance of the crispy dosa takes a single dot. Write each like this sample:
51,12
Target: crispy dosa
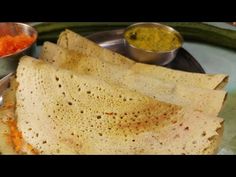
11,141
67,113
7,113
5,145
206,100
74,41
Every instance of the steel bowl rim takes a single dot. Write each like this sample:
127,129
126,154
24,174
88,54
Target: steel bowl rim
157,25
24,49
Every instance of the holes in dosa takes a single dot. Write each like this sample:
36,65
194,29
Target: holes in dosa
57,78
186,128
203,133
194,142
174,121
176,136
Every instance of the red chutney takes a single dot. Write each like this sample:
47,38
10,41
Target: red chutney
12,44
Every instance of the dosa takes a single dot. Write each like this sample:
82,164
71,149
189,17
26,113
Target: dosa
60,112
205,100
74,41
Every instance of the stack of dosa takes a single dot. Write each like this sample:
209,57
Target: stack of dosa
83,99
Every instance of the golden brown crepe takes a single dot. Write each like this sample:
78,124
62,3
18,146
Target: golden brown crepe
206,100
60,112
6,147
74,41
11,141
7,113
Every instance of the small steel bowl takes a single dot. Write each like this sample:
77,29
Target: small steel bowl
9,63
148,56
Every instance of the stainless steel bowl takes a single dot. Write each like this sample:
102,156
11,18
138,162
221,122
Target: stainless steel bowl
146,56
9,63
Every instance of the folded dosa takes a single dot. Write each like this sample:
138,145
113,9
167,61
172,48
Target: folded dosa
67,113
7,113
5,145
74,41
206,100
11,141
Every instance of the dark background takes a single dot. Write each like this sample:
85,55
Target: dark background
117,10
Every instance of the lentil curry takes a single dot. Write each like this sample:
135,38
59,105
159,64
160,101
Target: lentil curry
152,38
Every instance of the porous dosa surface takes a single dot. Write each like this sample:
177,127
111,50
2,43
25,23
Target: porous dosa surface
205,100
74,41
60,112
